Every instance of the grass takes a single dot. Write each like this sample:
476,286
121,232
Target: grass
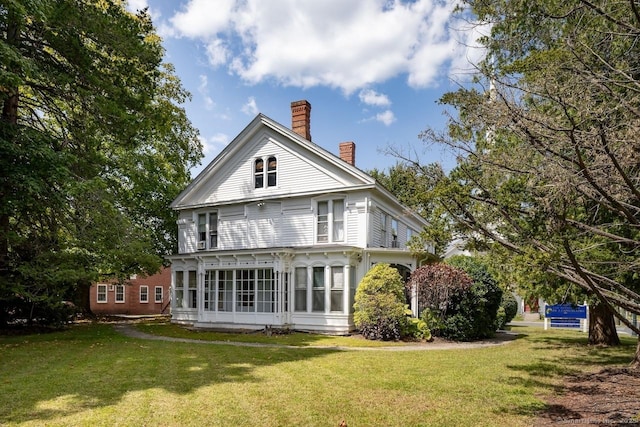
91,375
298,339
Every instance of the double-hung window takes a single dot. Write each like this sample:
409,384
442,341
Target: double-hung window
208,230
158,294
330,221
192,286
300,303
179,289
265,171
384,237
144,294
318,289
337,288
394,233
102,294
120,293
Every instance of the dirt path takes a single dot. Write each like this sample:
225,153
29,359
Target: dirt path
501,338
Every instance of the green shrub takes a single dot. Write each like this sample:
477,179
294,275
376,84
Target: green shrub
416,328
507,311
379,309
476,313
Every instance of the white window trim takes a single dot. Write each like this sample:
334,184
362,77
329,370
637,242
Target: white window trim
106,294
147,294
155,294
265,172
115,297
330,220
207,240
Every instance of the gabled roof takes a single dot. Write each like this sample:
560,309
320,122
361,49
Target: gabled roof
263,123
357,179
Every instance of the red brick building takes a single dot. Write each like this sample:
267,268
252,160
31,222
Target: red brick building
139,296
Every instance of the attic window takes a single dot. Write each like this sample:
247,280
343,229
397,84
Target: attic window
259,173
271,172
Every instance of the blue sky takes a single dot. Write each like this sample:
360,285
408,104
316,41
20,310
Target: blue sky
372,70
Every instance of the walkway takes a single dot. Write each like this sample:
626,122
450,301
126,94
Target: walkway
502,337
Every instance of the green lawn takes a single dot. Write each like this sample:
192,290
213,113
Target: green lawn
90,375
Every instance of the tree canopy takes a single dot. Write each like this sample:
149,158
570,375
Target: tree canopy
94,145
548,137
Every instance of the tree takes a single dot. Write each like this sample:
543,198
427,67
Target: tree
413,185
93,147
550,147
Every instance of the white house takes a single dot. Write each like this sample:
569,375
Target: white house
277,231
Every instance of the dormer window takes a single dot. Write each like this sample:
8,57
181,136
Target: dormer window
271,172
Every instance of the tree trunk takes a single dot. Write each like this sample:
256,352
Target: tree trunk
635,363
602,326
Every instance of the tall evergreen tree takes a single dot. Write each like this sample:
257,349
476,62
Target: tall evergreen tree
549,135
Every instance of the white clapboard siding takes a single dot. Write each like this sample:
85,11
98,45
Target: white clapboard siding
298,171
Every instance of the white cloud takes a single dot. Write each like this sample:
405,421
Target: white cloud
371,97
345,44
217,52
214,144
250,108
203,89
136,5
387,117
203,18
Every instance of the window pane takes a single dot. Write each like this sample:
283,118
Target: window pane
144,294
337,302
338,220
323,222
119,293
266,291
318,289
337,277
225,290
271,174
158,294
213,229
102,293
259,173
245,291
192,279
202,227
301,289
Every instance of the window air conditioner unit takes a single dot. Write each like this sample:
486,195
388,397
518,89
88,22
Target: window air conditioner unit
202,245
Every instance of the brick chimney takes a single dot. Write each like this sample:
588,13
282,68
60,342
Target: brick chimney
348,152
301,118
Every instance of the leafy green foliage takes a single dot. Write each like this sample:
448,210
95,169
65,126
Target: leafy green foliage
93,147
457,300
507,310
414,186
379,308
547,178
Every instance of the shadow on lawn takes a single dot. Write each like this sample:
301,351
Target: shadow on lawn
91,366
562,356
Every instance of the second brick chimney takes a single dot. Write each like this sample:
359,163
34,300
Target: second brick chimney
301,118
348,152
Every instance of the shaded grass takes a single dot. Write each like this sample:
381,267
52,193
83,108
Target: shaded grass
90,375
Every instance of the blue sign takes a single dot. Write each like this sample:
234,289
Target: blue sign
565,323
565,311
